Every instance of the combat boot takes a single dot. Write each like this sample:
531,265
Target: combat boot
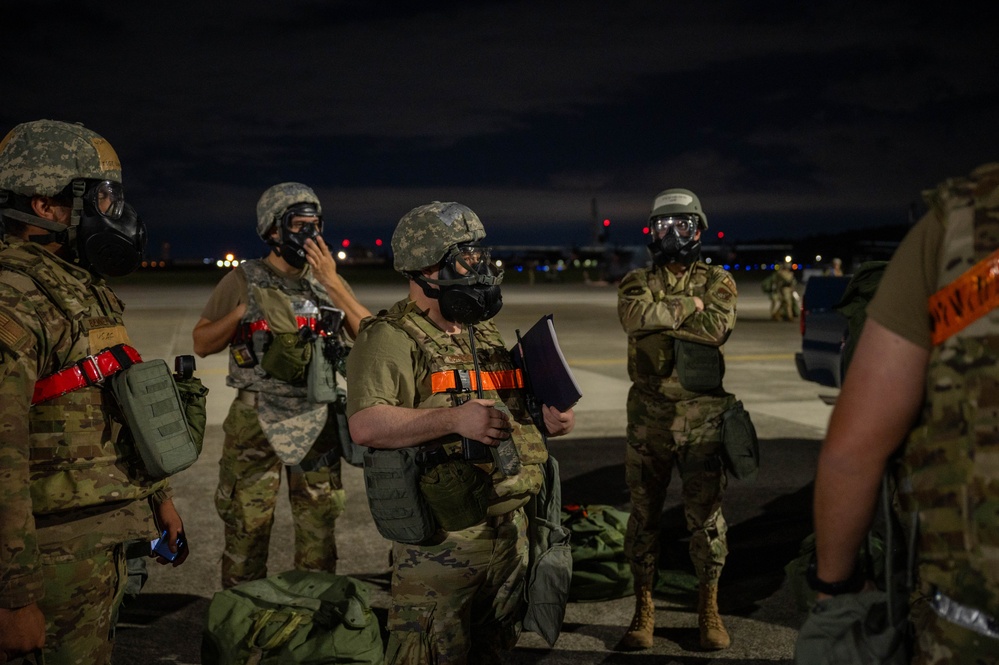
639,635
713,633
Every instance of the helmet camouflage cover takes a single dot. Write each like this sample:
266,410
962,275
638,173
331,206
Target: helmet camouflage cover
43,156
678,201
426,233
277,199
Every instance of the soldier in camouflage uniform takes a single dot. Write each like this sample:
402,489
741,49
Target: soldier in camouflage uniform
260,311
456,598
72,490
924,388
674,421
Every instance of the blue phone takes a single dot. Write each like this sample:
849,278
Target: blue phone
161,546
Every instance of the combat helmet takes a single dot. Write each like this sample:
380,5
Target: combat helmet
426,233
678,201
275,202
42,157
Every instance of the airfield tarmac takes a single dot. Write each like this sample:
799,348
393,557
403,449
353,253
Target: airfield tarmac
767,517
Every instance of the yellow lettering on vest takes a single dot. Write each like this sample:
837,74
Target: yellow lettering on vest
965,300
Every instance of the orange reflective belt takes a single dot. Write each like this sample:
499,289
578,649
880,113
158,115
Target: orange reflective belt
464,380
965,300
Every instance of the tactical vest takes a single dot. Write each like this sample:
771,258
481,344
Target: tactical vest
305,296
442,353
651,355
951,461
78,458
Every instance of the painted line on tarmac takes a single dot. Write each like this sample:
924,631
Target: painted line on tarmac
748,357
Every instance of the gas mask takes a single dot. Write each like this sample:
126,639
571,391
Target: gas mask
468,285
673,240
105,234
291,245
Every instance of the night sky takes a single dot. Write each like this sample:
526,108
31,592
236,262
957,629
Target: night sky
787,118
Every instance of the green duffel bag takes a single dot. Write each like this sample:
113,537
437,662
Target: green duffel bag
600,570
296,617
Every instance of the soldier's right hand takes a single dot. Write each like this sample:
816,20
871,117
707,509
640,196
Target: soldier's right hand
22,630
699,304
480,420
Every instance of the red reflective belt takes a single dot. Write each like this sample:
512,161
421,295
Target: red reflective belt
253,326
91,371
462,380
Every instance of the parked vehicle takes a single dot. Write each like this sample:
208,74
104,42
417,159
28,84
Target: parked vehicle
823,331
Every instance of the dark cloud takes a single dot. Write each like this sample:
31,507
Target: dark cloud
785,117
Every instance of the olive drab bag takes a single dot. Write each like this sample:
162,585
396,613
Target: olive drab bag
392,483
600,570
740,445
549,570
457,493
293,617
151,405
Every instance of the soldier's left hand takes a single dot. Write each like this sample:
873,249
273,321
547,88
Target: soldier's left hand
169,520
558,422
318,254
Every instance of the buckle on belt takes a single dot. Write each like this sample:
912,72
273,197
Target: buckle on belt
89,366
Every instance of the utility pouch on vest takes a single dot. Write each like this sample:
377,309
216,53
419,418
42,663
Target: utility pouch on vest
392,483
699,366
193,395
739,443
321,379
457,493
151,405
350,451
287,358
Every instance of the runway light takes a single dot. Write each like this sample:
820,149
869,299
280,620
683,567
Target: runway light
818,257
342,255
721,234
787,259
230,257
499,263
345,243
645,230
220,263
606,223
378,242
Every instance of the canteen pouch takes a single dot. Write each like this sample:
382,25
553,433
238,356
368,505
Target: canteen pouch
392,483
350,451
193,395
700,367
321,378
152,409
457,493
287,358
740,445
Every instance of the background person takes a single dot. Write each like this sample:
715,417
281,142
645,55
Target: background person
671,421
261,311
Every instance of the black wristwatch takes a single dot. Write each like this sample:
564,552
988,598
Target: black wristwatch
852,585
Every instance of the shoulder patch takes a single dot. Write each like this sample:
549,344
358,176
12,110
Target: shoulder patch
13,336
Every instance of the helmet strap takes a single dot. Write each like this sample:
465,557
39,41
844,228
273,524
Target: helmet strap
60,232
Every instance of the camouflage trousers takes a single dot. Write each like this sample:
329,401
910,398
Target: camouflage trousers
460,601
686,435
249,480
940,642
80,605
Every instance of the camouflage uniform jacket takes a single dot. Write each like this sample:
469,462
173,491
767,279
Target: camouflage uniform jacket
951,460
69,482
436,351
655,307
